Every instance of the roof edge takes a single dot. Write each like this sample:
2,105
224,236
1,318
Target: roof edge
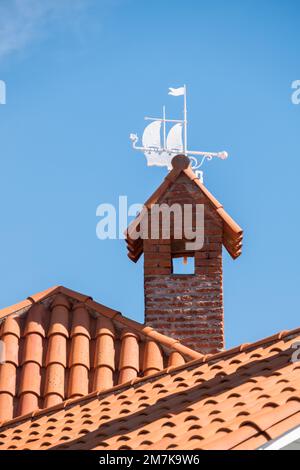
30,300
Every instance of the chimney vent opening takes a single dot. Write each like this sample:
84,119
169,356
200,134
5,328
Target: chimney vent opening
183,265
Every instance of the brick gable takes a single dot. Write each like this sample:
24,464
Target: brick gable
188,307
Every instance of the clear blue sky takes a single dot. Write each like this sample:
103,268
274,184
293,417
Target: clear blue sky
80,77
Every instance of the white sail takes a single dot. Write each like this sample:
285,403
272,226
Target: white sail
174,138
151,135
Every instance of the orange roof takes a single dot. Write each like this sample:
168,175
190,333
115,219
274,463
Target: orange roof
60,344
232,232
238,399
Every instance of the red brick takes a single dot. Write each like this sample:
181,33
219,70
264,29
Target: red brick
187,307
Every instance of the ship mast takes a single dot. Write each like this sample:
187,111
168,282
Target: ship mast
185,121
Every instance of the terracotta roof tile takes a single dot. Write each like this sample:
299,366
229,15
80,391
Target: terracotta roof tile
153,358
238,399
129,364
79,375
62,345
175,359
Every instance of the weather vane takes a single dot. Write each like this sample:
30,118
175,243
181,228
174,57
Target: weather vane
159,152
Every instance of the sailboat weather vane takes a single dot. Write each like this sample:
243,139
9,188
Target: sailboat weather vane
159,152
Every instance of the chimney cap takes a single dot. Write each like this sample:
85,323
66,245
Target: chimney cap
180,162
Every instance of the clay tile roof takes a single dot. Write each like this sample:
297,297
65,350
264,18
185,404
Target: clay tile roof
60,345
238,399
232,232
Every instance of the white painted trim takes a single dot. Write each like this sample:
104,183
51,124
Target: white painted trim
282,441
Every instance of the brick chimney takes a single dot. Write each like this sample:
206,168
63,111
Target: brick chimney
185,306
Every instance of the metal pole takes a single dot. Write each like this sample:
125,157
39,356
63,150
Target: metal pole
147,118
185,121
164,121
